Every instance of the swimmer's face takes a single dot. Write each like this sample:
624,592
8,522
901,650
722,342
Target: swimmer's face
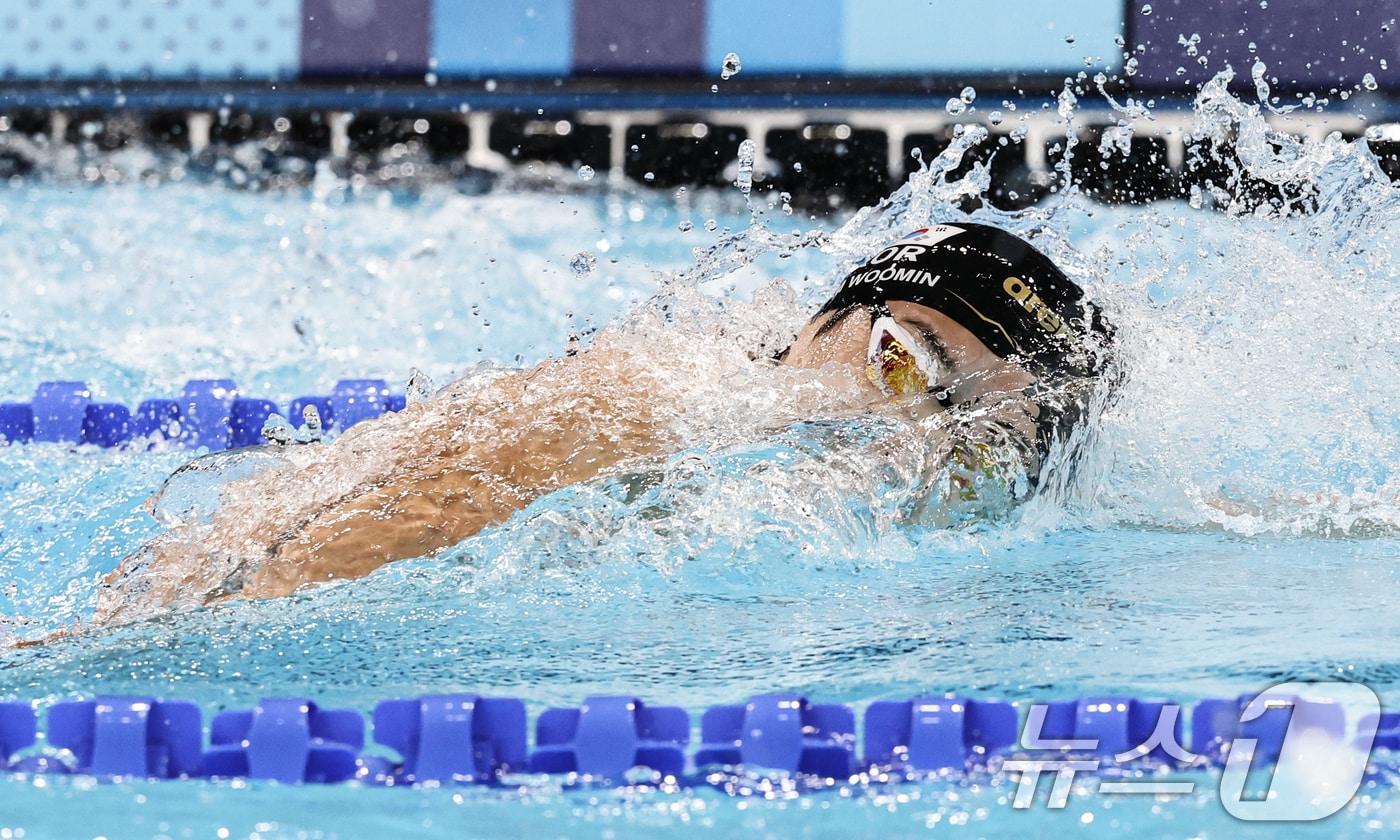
971,372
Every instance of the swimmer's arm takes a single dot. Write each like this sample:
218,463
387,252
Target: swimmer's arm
436,474
450,468
564,422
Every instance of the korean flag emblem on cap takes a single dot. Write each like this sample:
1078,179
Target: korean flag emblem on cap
932,235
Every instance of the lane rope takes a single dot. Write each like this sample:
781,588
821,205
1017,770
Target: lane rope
470,738
209,413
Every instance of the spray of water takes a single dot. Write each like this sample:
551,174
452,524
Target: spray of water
1250,341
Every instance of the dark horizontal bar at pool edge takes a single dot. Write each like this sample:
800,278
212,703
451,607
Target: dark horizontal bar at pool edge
281,98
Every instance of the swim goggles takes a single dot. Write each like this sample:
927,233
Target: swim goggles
897,362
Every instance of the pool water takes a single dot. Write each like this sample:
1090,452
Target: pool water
1233,522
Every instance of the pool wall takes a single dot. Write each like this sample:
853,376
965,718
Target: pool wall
836,94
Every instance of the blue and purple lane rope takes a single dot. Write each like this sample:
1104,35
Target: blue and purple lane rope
474,739
209,413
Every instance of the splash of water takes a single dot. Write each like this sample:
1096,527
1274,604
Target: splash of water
1249,340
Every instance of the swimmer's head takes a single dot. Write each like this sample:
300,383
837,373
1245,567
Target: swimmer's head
962,311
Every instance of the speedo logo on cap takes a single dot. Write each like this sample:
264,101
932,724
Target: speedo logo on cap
1045,317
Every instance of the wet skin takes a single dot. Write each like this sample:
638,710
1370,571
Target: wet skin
434,477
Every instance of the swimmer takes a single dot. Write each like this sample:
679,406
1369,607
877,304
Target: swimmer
963,317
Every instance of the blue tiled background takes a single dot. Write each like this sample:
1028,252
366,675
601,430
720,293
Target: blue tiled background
498,37
776,36
1310,41
912,36
150,38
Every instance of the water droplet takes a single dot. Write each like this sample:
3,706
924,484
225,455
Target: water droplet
1261,85
277,431
1263,4
586,173
1369,82
685,226
311,420
583,263
310,423
967,95
955,106
711,225
714,88
731,67
419,387
748,150
1069,39
994,118
490,85
1146,9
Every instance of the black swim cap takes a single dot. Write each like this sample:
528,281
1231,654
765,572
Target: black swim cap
994,284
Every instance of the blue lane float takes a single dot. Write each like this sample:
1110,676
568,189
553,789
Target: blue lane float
471,739
59,410
449,738
209,414
128,736
285,740
938,733
1117,724
781,731
608,736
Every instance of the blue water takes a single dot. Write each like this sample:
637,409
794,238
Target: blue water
1253,344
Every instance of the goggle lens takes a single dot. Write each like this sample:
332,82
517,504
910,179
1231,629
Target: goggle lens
896,362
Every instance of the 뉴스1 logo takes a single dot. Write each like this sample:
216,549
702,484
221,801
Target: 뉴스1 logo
1314,770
